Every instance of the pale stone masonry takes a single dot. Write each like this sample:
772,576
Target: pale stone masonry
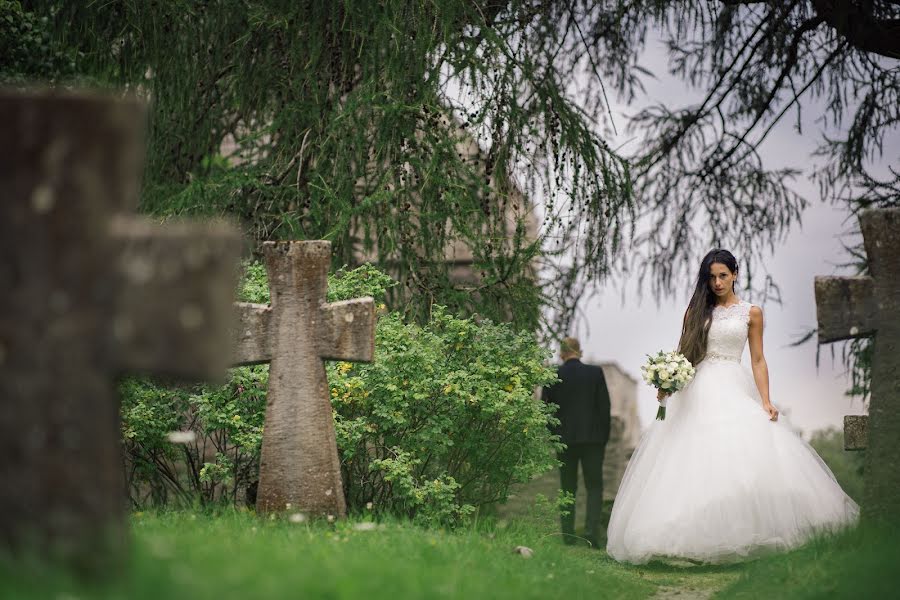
625,426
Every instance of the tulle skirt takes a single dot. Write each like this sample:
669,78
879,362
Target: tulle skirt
717,481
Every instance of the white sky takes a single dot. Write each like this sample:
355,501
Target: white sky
811,398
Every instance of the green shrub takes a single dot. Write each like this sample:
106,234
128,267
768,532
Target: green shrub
444,419
27,51
442,422
221,462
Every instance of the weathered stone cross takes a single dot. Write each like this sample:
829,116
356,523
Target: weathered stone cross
87,292
853,307
299,465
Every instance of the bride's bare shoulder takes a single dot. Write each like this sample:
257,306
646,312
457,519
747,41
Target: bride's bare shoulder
756,313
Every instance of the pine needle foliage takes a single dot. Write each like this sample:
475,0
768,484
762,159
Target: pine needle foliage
703,177
349,121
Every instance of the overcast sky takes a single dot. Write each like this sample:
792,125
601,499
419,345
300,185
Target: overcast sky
811,398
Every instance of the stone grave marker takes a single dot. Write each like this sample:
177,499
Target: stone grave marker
299,464
87,292
854,307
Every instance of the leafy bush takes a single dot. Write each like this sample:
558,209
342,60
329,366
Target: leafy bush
443,420
220,462
27,50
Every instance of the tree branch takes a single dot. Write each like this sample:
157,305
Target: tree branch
789,65
860,27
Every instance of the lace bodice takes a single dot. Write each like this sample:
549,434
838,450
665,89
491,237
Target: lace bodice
728,332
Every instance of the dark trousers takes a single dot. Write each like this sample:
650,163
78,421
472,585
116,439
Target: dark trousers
591,458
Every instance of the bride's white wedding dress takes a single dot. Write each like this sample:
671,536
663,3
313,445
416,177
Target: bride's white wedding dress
717,481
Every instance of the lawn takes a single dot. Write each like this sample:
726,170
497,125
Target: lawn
237,555
864,563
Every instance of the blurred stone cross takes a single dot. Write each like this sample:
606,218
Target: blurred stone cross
855,307
299,465
87,292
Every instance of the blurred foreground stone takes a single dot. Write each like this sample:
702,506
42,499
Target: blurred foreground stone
87,293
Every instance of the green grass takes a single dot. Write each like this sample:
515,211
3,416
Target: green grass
864,563
236,555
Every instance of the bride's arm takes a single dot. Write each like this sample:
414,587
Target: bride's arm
758,360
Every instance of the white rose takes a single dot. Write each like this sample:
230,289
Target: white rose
666,385
665,375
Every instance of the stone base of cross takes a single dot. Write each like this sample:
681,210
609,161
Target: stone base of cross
854,307
299,465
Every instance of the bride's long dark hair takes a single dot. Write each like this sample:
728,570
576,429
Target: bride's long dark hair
695,332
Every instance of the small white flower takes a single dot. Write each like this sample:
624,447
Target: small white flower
369,506
365,526
297,518
331,518
181,437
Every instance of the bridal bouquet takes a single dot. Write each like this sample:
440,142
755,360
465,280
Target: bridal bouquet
669,371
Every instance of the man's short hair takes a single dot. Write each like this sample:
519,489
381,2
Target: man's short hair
570,346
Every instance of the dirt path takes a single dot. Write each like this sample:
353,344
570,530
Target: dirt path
684,593
684,583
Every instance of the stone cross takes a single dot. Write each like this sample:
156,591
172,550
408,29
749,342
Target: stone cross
854,307
87,292
299,465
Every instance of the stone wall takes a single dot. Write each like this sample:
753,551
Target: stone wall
625,430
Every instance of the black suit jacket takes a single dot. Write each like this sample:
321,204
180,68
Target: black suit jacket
583,400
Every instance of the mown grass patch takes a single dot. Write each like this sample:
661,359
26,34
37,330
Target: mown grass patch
237,555
861,563
234,554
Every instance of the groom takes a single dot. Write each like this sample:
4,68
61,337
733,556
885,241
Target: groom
583,414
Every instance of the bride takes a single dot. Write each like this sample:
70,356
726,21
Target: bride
720,479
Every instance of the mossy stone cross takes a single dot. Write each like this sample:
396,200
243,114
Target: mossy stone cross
299,465
869,306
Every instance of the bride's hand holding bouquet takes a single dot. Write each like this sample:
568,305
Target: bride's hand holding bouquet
668,372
